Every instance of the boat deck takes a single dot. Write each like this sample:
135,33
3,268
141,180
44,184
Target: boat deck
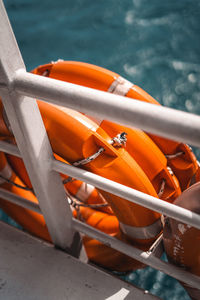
32,269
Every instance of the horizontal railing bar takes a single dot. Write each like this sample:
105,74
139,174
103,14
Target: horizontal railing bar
13,198
12,149
9,148
135,253
129,194
171,123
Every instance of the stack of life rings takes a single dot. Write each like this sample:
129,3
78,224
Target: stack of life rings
154,165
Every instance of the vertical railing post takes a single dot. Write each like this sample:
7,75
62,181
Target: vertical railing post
33,143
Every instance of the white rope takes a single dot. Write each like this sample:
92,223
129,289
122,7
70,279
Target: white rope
155,245
76,204
162,188
88,159
172,156
118,141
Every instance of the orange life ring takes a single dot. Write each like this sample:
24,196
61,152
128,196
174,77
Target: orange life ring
73,137
102,254
30,220
82,137
179,156
85,138
35,223
83,192
103,220
181,241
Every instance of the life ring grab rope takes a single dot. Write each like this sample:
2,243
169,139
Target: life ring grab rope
89,158
76,203
175,155
118,141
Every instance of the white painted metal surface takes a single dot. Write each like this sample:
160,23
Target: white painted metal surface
168,122
31,269
33,143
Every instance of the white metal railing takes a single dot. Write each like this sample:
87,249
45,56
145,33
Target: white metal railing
129,194
167,122
18,88
33,144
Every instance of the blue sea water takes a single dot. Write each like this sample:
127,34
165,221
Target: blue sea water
155,44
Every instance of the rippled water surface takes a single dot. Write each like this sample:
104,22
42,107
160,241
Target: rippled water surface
155,44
